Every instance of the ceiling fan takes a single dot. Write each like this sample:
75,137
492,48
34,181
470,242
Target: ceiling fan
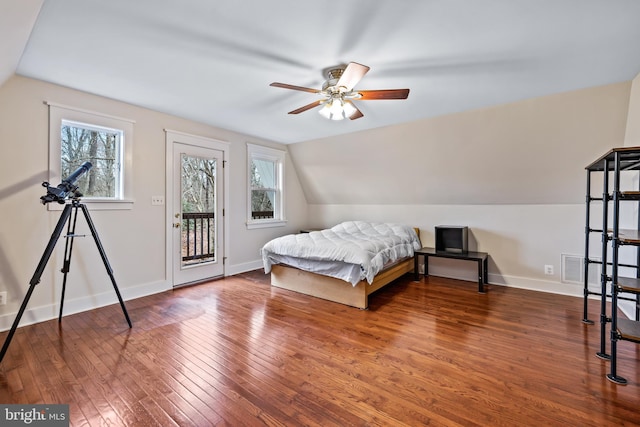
338,92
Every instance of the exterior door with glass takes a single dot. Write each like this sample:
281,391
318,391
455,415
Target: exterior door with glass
197,216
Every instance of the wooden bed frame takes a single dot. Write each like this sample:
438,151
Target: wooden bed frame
336,290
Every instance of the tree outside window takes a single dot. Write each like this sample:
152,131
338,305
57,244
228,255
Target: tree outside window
100,147
263,188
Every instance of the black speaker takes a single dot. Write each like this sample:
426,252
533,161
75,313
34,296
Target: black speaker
452,238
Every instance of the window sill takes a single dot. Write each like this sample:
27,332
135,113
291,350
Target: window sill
266,223
97,205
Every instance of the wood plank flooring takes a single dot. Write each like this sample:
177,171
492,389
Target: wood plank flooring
238,352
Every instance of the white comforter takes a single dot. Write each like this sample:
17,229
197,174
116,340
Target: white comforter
370,246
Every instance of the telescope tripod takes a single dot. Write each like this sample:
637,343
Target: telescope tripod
69,217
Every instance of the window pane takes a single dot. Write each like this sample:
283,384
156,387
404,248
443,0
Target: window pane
265,193
263,174
198,200
262,202
198,184
101,147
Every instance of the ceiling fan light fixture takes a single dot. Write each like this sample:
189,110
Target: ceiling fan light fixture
336,109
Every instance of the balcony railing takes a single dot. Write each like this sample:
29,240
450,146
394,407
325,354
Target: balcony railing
198,237
261,214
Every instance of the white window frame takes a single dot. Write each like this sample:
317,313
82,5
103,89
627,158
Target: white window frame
260,152
59,114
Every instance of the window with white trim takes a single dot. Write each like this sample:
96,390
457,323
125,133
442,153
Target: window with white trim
266,191
78,136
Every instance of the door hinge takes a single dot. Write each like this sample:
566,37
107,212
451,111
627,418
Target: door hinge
224,163
224,260
222,211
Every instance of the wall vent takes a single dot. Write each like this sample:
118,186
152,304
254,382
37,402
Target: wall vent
573,270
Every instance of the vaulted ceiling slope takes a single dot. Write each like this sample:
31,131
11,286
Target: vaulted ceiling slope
213,61
16,22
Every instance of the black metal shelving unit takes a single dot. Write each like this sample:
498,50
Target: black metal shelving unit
611,165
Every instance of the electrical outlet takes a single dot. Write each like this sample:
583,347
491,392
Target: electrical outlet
548,269
157,200
3,297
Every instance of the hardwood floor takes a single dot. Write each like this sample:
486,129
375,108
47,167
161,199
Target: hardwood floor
237,352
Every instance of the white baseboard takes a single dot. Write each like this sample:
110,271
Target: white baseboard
243,268
78,305
549,286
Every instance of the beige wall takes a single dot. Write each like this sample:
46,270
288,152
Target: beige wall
632,135
532,151
133,239
513,173
630,213
520,239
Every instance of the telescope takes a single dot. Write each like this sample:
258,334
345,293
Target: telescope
68,217
66,187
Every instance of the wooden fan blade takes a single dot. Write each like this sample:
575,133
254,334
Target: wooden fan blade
356,114
286,86
352,75
383,94
307,107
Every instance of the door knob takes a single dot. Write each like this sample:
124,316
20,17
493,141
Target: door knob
176,225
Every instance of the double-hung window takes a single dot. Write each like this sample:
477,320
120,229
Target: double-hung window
265,194
78,136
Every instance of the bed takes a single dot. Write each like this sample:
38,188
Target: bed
345,263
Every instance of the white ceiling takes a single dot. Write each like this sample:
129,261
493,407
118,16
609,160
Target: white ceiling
212,61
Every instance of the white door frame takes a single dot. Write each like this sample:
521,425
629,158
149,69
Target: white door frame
198,141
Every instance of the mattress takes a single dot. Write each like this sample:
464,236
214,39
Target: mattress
350,251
